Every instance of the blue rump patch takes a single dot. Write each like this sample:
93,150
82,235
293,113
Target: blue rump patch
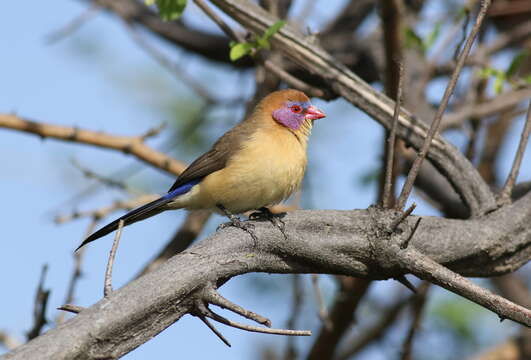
182,189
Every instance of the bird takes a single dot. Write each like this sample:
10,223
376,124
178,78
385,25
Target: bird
259,162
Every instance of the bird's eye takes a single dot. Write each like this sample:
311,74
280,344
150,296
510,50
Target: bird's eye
296,109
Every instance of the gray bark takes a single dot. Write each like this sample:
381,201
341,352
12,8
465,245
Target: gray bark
330,242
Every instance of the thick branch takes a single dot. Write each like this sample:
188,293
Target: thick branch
333,242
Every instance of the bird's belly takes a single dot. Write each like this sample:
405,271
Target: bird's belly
244,186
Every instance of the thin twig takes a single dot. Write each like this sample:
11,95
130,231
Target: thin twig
427,269
128,144
210,295
268,64
323,313
505,196
295,312
294,81
413,172
107,285
75,309
258,329
402,217
388,184
219,21
73,25
466,21
173,67
104,180
76,273
418,304
39,308
405,244
105,211
214,330
373,333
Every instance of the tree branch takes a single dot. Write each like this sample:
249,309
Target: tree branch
133,145
333,242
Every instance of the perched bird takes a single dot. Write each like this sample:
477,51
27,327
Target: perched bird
259,162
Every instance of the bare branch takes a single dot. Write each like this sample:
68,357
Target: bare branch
107,287
388,184
105,211
76,273
486,108
213,297
127,144
505,195
323,313
214,330
334,242
73,25
375,332
427,269
174,68
75,309
413,172
295,312
219,21
341,315
39,307
418,304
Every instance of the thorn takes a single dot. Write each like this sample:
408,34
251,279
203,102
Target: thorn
404,281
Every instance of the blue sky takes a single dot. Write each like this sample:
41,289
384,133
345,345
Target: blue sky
99,79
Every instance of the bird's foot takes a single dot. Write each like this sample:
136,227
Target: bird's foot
276,219
237,222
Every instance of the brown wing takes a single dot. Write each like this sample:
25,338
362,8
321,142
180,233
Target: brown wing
218,156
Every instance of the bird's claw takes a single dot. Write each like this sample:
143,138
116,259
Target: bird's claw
276,219
236,222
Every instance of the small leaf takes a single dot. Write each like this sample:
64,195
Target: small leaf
262,43
149,2
516,63
412,40
239,50
432,36
170,9
498,83
273,29
487,72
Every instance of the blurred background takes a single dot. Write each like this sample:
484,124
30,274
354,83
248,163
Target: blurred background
69,63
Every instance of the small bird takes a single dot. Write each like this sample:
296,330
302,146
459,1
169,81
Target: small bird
259,162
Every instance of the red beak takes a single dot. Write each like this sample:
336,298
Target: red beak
313,113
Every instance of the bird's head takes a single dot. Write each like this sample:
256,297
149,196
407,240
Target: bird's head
292,109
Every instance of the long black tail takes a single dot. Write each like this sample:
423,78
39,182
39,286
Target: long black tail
141,213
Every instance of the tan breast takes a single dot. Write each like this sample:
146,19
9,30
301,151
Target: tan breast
268,169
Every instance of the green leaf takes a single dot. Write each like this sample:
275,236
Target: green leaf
239,50
488,72
498,83
432,36
273,29
262,43
149,2
516,63
412,40
170,9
